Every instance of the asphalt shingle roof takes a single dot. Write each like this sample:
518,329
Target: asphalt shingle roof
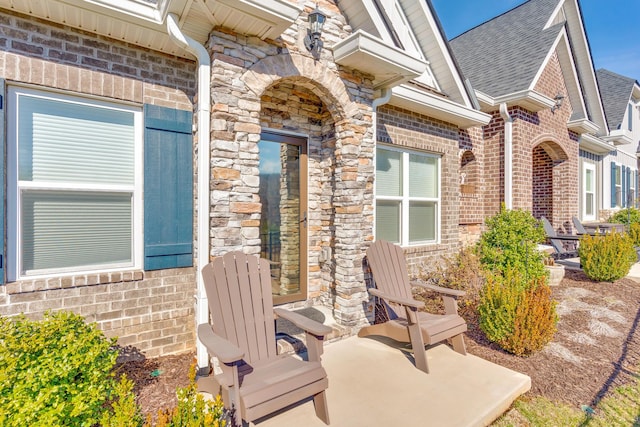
615,91
504,54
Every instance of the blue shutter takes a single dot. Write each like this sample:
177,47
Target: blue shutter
635,185
623,181
613,184
627,195
168,188
2,151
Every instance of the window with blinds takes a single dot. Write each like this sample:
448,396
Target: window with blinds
407,196
74,183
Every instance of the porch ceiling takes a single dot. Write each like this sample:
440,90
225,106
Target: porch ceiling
143,23
389,65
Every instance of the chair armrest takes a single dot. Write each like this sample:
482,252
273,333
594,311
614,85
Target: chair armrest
225,351
447,291
304,323
409,302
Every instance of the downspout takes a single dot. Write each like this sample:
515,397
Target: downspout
508,156
203,115
385,96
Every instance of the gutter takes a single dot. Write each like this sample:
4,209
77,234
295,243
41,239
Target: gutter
203,115
508,156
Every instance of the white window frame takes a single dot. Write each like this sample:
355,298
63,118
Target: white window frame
591,167
405,199
618,186
14,244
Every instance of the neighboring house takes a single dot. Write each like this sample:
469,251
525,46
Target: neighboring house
531,69
621,100
146,137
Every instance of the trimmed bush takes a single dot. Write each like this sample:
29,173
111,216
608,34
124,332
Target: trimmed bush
519,315
511,243
607,257
53,372
192,410
626,216
634,233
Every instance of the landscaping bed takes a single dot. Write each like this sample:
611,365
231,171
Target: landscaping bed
596,349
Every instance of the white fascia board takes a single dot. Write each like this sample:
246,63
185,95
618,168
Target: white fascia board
446,53
594,144
389,65
437,107
582,53
529,99
552,18
583,126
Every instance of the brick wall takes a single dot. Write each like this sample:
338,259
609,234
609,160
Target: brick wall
540,185
153,311
407,129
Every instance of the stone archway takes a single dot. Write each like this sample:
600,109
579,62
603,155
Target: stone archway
547,186
298,95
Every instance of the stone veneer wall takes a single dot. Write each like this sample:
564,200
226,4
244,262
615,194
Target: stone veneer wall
252,83
154,311
400,127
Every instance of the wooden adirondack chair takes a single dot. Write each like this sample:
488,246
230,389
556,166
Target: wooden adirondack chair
406,323
558,241
254,378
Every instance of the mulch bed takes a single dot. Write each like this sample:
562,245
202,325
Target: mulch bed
596,348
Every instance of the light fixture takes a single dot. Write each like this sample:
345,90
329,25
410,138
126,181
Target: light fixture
312,40
559,98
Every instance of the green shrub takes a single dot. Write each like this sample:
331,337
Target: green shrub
634,233
192,410
53,372
511,242
519,315
626,216
608,257
123,410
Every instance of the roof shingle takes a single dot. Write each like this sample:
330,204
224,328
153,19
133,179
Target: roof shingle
504,54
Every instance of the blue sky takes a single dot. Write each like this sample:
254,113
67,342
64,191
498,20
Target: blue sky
611,27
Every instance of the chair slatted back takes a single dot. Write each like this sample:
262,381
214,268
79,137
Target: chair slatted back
548,228
238,288
389,268
578,226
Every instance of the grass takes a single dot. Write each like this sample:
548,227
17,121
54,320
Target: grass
620,408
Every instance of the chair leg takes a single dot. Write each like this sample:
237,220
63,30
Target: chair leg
419,353
458,344
320,403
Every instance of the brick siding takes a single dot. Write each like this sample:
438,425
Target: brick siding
153,311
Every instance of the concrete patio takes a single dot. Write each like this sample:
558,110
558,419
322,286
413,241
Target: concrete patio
372,382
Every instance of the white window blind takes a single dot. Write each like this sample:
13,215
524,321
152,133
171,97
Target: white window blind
407,196
76,184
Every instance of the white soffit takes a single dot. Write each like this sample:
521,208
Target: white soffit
142,23
594,144
582,126
529,99
438,107
389,65
619,137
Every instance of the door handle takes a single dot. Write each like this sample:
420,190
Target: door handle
304,219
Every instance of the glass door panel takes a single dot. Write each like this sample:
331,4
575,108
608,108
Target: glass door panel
283,219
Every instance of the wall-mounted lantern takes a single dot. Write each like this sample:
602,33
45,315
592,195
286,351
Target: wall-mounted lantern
312,40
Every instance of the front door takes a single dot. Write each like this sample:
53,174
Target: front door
283,219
